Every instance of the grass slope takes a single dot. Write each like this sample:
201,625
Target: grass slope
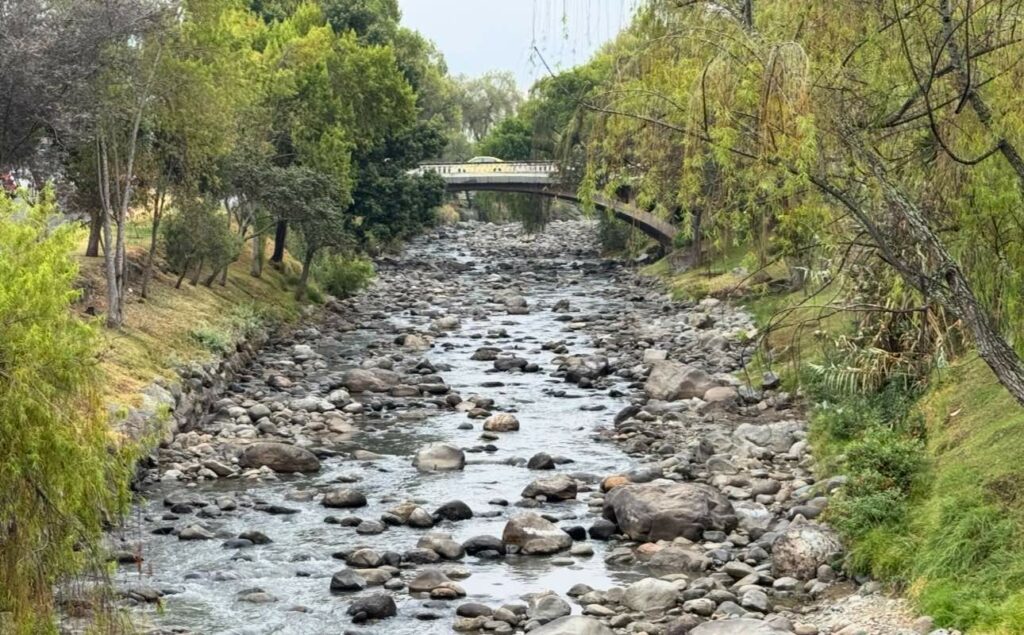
176,326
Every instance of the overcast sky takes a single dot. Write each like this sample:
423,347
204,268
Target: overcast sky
477,36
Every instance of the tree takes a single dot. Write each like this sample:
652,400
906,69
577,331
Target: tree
306,199
486,100
510,140
50,52
842,160
60,480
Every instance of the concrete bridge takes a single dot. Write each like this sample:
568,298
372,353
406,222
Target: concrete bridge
540,178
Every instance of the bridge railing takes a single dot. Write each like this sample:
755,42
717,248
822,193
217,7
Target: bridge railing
504,167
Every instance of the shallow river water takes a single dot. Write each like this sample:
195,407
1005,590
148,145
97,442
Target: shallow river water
202,579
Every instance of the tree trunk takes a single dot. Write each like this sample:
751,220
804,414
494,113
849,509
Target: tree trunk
92,248
181,278
256,266
158,210
224,275
280,234
213,276
300,292
947,283
114,315
195,274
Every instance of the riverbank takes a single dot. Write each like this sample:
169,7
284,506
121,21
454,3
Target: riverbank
922,540
501,418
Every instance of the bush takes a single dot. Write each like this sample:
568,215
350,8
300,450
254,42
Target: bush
60,479
198,236
213,340
343,276
885,459
855,511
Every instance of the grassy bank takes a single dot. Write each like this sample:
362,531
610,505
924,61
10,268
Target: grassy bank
934,504
172,326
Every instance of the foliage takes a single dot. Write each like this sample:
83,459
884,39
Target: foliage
198,235
213,340
510,140
486,100
60,480
343,275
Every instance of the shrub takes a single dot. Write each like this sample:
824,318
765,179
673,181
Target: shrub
198,236
885,459
60,479
212,339
343,276
855,511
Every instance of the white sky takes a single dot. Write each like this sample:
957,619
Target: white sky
477,36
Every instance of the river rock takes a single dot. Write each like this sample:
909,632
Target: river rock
742,626
585,367
535,535
670,381
443,545
547,607
195,532
420,518
368,380
347,581
664,511
541,461
502,422
573,626
801,549
454,511
280,457
439,457
364,559
479,544
428,580
372,607
344,498
559,487
650,595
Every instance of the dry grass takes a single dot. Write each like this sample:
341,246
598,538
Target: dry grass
160,331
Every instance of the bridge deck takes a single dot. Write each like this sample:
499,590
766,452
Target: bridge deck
540,178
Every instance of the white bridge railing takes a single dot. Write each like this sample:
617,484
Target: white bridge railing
504,168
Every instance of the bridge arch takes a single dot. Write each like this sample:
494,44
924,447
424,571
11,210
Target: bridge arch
541,178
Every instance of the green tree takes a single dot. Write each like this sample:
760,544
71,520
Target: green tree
61,476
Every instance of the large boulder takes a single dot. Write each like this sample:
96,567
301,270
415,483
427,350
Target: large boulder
575,625
535,535
428,580
501,422
547,607
439,457
369,380
742,626
560,487
671,381
801,549
280,457
651,595
344,498
662,510
372,607
585,367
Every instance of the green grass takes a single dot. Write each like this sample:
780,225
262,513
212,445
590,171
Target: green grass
176,326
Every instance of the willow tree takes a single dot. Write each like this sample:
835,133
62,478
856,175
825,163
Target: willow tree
856,130
59,479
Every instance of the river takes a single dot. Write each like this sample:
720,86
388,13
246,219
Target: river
457,291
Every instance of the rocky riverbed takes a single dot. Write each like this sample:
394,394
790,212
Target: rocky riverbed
504,434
